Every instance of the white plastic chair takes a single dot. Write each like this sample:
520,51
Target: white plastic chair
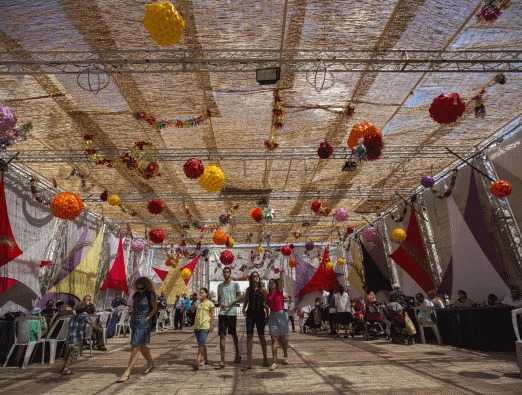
103,320
518,343
424,320
56,334
23,327
123,324
88,339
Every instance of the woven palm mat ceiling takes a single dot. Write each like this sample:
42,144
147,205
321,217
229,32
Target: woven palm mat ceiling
62,112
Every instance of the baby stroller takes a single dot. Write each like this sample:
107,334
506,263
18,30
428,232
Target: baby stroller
313,321
359,311
375,325
402,329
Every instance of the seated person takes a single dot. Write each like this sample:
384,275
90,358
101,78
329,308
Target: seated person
314,319
493,301
97,331
87,301
462,300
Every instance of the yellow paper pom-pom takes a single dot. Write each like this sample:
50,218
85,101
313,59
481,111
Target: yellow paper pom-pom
341,261
329,265
114,200
186,273
399,235
164,23
212,179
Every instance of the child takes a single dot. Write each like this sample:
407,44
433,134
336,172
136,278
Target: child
203,324
76,335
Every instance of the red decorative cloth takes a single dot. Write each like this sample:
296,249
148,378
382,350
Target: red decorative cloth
117,278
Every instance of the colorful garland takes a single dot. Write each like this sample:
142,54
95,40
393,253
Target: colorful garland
190,122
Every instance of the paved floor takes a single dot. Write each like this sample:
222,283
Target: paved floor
318,365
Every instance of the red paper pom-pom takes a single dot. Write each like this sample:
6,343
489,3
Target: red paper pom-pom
286,250
227,257
316,206
447,108
156,206
157,235
193,168
256,214
374,146
325,150
501,188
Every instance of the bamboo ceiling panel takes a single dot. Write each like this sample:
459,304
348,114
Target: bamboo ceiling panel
241,110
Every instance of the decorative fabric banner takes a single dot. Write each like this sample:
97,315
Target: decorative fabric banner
162,274
173,285
9,250
374,280
15,294
191,266
471,269
82,280
356,271
411,255
323,278
117,277
304,271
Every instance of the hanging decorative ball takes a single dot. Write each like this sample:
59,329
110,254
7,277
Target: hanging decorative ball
256,214
230,242
212,179
447,108
360,131
286,250
104,196
316,206
370,234
309,245
171,261
268,214
67,205
157,235
186,273
292,263
137,245
219,237
349,230
374,146
156,206
260,250
325,150
329,265
501,188
398,235
340,261
193,168
114,200
340,214
360,152
427,181
226,257
163,22
224,219
7,119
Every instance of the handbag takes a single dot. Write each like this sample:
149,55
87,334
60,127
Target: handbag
409,326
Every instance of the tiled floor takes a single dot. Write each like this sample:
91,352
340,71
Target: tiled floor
318,365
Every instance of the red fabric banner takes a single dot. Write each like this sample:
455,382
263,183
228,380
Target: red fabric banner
162,274
117,278
192,266
323,278
9,250
411,255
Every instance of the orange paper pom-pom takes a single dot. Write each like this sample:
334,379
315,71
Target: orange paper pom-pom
362,130
219,237
67,205
501,188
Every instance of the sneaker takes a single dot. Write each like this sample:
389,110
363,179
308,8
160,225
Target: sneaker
273,366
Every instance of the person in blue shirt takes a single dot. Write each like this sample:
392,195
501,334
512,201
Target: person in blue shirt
178,314
187,306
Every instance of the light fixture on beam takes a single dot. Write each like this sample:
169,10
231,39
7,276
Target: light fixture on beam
268,75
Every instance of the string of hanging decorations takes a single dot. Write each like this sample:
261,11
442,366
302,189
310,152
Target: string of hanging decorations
189,122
